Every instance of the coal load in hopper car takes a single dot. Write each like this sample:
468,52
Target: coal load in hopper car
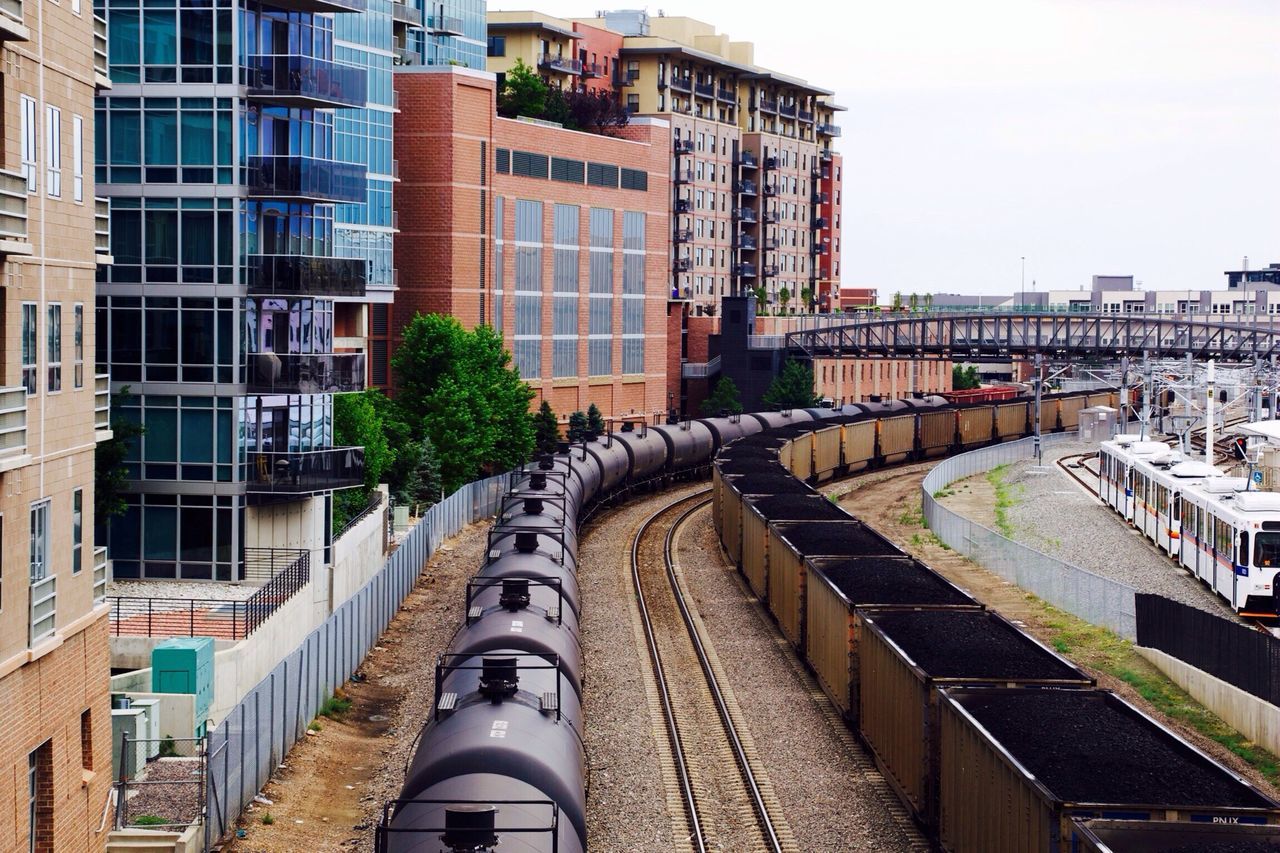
1138,836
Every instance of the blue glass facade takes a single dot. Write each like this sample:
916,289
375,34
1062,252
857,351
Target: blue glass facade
455,34
247,153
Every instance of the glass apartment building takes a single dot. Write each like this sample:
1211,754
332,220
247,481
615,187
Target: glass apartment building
246,150
455,34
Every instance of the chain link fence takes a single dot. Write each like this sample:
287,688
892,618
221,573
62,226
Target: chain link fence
255,736
162,783
1098,600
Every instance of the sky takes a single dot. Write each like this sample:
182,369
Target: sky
1114,137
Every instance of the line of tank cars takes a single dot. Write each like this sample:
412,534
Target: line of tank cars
500,762
1219,528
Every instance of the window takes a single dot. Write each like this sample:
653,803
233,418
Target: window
28,117
54,336
77,530
78,370
86,739
497,46
30,337
40,798
53,151
633,103
77,157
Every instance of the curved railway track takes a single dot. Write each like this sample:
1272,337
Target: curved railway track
722,789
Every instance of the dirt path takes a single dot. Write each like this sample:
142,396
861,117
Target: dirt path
330,790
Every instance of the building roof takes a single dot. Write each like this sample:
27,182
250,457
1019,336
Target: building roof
508,21
655,44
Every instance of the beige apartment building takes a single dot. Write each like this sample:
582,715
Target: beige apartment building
55,737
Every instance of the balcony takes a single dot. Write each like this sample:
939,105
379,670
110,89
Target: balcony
772,217
770,164
805,116
818,248
101,574
682,265
769,271
404,13
788,110
101,69
706,90
699,369
820,197
13,428
443,25
818,222
592,69
11,26
562,64
745,242
13,214
682,235
747,160
306,373
405,56
332,6
744,214
825,154
745,270
729,96
303,472
683,205
745,187
44,606
682,84
627,78
301,177
828,130
683,146
303,81
770,190
768,106
683,176
821,173
770,244
102,404
305,275
102,230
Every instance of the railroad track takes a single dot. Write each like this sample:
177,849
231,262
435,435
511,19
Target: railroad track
719,784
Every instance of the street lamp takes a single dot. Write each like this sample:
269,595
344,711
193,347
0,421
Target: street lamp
1023,293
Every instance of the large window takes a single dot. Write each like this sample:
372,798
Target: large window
600,294
77,158
187,241
54,337
193,438
167,140
53,151
27,114
169,339
78,377
564,360
175,536
633,292
30,344
499,267
39,543
497,46
77,531
528,289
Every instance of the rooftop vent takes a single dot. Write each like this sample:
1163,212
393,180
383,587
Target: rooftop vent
546,461
526,541
538,481
533,506
469,827
498,678
515,593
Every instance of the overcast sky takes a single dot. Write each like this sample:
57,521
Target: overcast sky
1117,137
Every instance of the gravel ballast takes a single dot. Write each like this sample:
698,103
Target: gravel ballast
970,644
1084,748
888,580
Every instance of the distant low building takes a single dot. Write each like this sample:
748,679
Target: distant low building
1267,275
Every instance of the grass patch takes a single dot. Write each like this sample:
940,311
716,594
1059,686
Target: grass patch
912,516
149,820
1005,498
335,707
314,726
1102,650
943,493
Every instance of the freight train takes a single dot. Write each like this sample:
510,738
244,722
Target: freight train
501,761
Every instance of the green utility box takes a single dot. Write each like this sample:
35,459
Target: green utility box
185,665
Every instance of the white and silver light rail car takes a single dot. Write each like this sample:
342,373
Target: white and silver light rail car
1226,536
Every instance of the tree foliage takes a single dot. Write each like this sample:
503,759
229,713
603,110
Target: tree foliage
792,389
595,420
356,423
598,111
458,389
965,378
724,398
110,474
761,294
523,93
784,297
806,298
577,426
546,429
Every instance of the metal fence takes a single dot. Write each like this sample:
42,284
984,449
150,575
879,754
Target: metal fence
161,784
1237,654
255,736
1098,600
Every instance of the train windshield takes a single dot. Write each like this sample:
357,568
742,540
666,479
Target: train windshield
1266,550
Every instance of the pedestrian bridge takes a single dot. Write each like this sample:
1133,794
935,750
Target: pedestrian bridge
1000,336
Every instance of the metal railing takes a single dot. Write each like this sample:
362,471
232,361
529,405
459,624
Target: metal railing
682,84
297,77
745,214
766,341
13,206
306,275
700,370
805,116
262,565
745,187
102,226
683,146
828,130
102,401
560,63
1095,599
13,421
592,69
746,241
745,270
101,574
444,24
307,373
682,235
44,607
788,110
404,13
683,176
747,160
173,792
769,106
374,504
300,176
303,471
727,95
706,90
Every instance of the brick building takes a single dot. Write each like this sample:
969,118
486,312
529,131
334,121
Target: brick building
556,238
55,729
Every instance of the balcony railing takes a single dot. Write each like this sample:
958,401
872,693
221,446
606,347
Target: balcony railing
102,227
627,77
682,84
13,423
306,373
683,146
592,69
745,242
684,176
11,25
820,197
102,401
745,214
745,270
788,110
560,63
297,80
769,270
304,275
700,369
772,217
405,56
101,574
825,154
770,163
770,244
13,212
770,190
334,6
729,96
404,13
769,106
304,471
745,187
805,116
101,68
816,248
297,176
821,173
444,25
682,264
683,205
818,222
682,235
44,607
706,90
828,130
747,160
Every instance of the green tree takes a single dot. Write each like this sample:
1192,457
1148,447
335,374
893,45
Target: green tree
557,110
577,426
784,296
806,298
546,429
523,93
792,389
595,420
110,474
356,423
928,302
761,294
458,389
897,301
965,378
724,398
914,301
597,111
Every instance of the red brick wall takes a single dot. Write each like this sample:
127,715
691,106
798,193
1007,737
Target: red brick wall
603,48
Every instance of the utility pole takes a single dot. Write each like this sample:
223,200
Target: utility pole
1038,382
